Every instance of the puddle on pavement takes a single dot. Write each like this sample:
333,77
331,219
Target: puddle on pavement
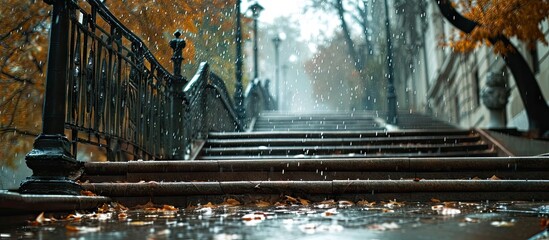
326,220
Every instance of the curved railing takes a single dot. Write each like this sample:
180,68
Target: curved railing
105,88
207,108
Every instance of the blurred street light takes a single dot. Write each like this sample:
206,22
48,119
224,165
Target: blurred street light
256,10
276,41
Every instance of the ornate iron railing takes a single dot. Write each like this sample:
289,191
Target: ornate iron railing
105,88
118,93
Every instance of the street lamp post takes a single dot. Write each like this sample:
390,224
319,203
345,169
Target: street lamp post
276,42
391,95
239,92
256,10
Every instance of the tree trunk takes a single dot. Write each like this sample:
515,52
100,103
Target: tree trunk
533,100
370,91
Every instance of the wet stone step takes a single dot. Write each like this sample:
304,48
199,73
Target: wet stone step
313,169
310,150
487,153
340,134
319,175
461,189
343,141
346,164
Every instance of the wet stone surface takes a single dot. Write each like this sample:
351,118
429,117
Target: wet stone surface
301,220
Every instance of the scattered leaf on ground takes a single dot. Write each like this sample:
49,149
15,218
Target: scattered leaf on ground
122,216
256,216
435,200
262,203
304,202
494,177
39,220
393,203
231,202
140,223
344,203
330,212
443,210
290,199
87,193
81,229
169,208
365,203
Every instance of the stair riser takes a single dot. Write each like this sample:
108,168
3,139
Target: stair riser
309,176
336,142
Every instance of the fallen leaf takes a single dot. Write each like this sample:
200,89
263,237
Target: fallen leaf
365,203
231,202
256,216
122,216
119,207
140,223
151,210
443,210
39,220
434,200
326,204
330,212
290,199
81,229
169,208
494,177
393,203
74,217
87,193
476,178
345,204
262,203
104,208
304,202
149,204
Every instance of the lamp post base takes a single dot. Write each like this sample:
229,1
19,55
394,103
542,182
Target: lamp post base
50,186
53,166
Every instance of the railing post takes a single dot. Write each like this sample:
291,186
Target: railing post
239,92
51,161
176,144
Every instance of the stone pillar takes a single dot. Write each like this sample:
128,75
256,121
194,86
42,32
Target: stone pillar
495,97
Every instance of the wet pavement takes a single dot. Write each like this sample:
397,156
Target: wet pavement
295,219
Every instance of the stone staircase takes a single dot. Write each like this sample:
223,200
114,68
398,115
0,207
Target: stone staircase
310,156
344,135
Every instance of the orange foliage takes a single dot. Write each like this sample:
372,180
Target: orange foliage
518,19
24,35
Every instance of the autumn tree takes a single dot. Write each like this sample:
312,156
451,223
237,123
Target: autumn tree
355,15
24,46
494,23
334,78
23,50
